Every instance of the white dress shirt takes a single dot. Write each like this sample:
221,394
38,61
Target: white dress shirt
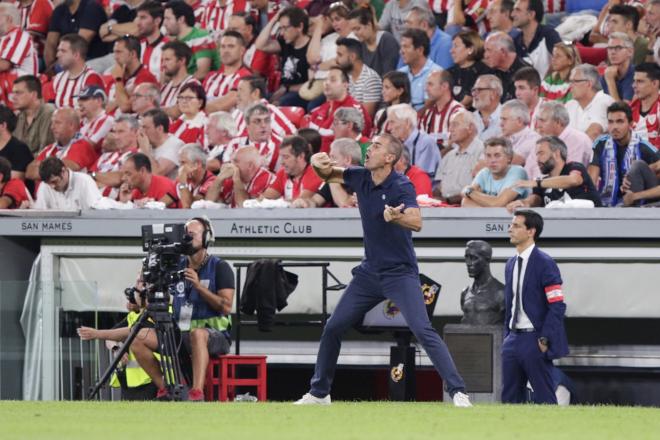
523,321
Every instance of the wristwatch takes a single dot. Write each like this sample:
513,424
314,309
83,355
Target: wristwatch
93,175
467,191
181,186
543,341
538,183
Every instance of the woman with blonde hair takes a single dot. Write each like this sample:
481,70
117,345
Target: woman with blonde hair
555,86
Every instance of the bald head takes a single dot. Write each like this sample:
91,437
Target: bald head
64,124
248,161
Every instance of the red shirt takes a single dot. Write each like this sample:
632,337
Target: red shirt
420,180
35,18
259,183
160,187
437,121
217,84
215,18
321,117
66,88
203,187
16,190
151,54
291,189
648,127
260,62
78,150
190,130
141,75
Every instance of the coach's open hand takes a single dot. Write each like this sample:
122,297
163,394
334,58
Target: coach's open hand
393,214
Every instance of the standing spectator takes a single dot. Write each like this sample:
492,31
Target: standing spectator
396,90
419,178
258,61
16,152
402,124
176,58
18,55
536,41
440,106
179,21
528,83
149,21
217,15
140,186
364,83
556,84
259,134
221,85
380,49
80,17
414,53
13,192
189,127
251,90
96,123
553,120
467,51
394,15
617,80
646,105
64,189
486,95
588,108
161,147
514,122
291,47
35,18
75,74
500,55
33,124
193,179
440,42
145,97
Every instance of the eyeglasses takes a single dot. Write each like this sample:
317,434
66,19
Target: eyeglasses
138,95
185,98
575,81
616,48
476,90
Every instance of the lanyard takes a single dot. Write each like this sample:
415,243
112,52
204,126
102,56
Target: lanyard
415,147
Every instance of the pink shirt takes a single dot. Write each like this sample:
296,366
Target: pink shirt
524,144
580,146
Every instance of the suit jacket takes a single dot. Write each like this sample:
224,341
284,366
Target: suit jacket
542,300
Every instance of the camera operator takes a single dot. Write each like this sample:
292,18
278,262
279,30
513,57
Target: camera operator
202,305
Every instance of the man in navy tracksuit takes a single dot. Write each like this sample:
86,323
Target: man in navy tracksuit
389,213
534,315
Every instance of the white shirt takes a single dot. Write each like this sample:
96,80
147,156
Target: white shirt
170,150
523,320
594,112
81,193
493,128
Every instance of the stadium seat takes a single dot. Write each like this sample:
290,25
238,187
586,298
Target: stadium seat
221,379
294,114
592,55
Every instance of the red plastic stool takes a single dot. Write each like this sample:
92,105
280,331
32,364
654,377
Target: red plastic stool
221,379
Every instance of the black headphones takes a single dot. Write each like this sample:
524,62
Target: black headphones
207,237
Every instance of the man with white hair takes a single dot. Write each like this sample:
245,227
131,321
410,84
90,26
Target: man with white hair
441,105
617,81
145,97
553,120
423,148
18,55
158,144
514,122
486,95
193,180
500,55
221,128
455,171
252,89
349,123
588,108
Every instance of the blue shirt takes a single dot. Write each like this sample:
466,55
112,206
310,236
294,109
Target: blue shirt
418,82
387,246
424,152
493,187
439,51
624,86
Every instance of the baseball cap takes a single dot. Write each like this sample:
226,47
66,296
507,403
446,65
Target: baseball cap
93,92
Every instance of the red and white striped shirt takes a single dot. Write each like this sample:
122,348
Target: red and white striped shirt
152,54
35,18
141,75
199,7
110,161
259,183
259,62
217,84
78,150
437,121
169,91
67,88
216,13
97,129
17,48
648,126
269,151
440,6
279,123
190,130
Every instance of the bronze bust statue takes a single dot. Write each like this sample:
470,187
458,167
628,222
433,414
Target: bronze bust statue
482,302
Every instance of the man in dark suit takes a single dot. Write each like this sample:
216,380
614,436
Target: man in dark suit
534,315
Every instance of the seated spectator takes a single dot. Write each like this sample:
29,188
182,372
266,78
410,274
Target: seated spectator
500,55
528,83
417,65
335,89
156,142
140,186
175,58
617,80
13,192
651,29
440,107
121,23
455,171
313,138
423,148
149,22
296,181
193,179
381,49
467,51
364,83
514,121
198,8
536,41
179,22
221,85
217,15
588,108
264,11
486,95
127,72
16,152
553,120
35,19
396,90
144,98
345,153
561,177
189,127
260,135
393,17
615,152
421,17
640,186
18,55
349,123
79,17
556,85
76,152
291,46
259,62
625,18
96,123
252,90
420,180
646,105
242,179
75,74
500,17
64,189
33,124
220,131
494,186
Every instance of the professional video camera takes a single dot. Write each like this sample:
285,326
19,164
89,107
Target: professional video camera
164,244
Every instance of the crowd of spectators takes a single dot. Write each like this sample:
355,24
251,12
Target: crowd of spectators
210,103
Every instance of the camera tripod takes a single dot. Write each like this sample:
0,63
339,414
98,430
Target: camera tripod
159,313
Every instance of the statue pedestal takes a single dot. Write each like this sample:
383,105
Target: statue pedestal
477,352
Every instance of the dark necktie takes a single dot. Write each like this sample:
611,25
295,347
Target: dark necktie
518,306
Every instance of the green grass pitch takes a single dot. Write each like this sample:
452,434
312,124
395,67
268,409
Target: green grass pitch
341,420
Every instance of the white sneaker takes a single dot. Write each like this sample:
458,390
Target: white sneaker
462,400
308,399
